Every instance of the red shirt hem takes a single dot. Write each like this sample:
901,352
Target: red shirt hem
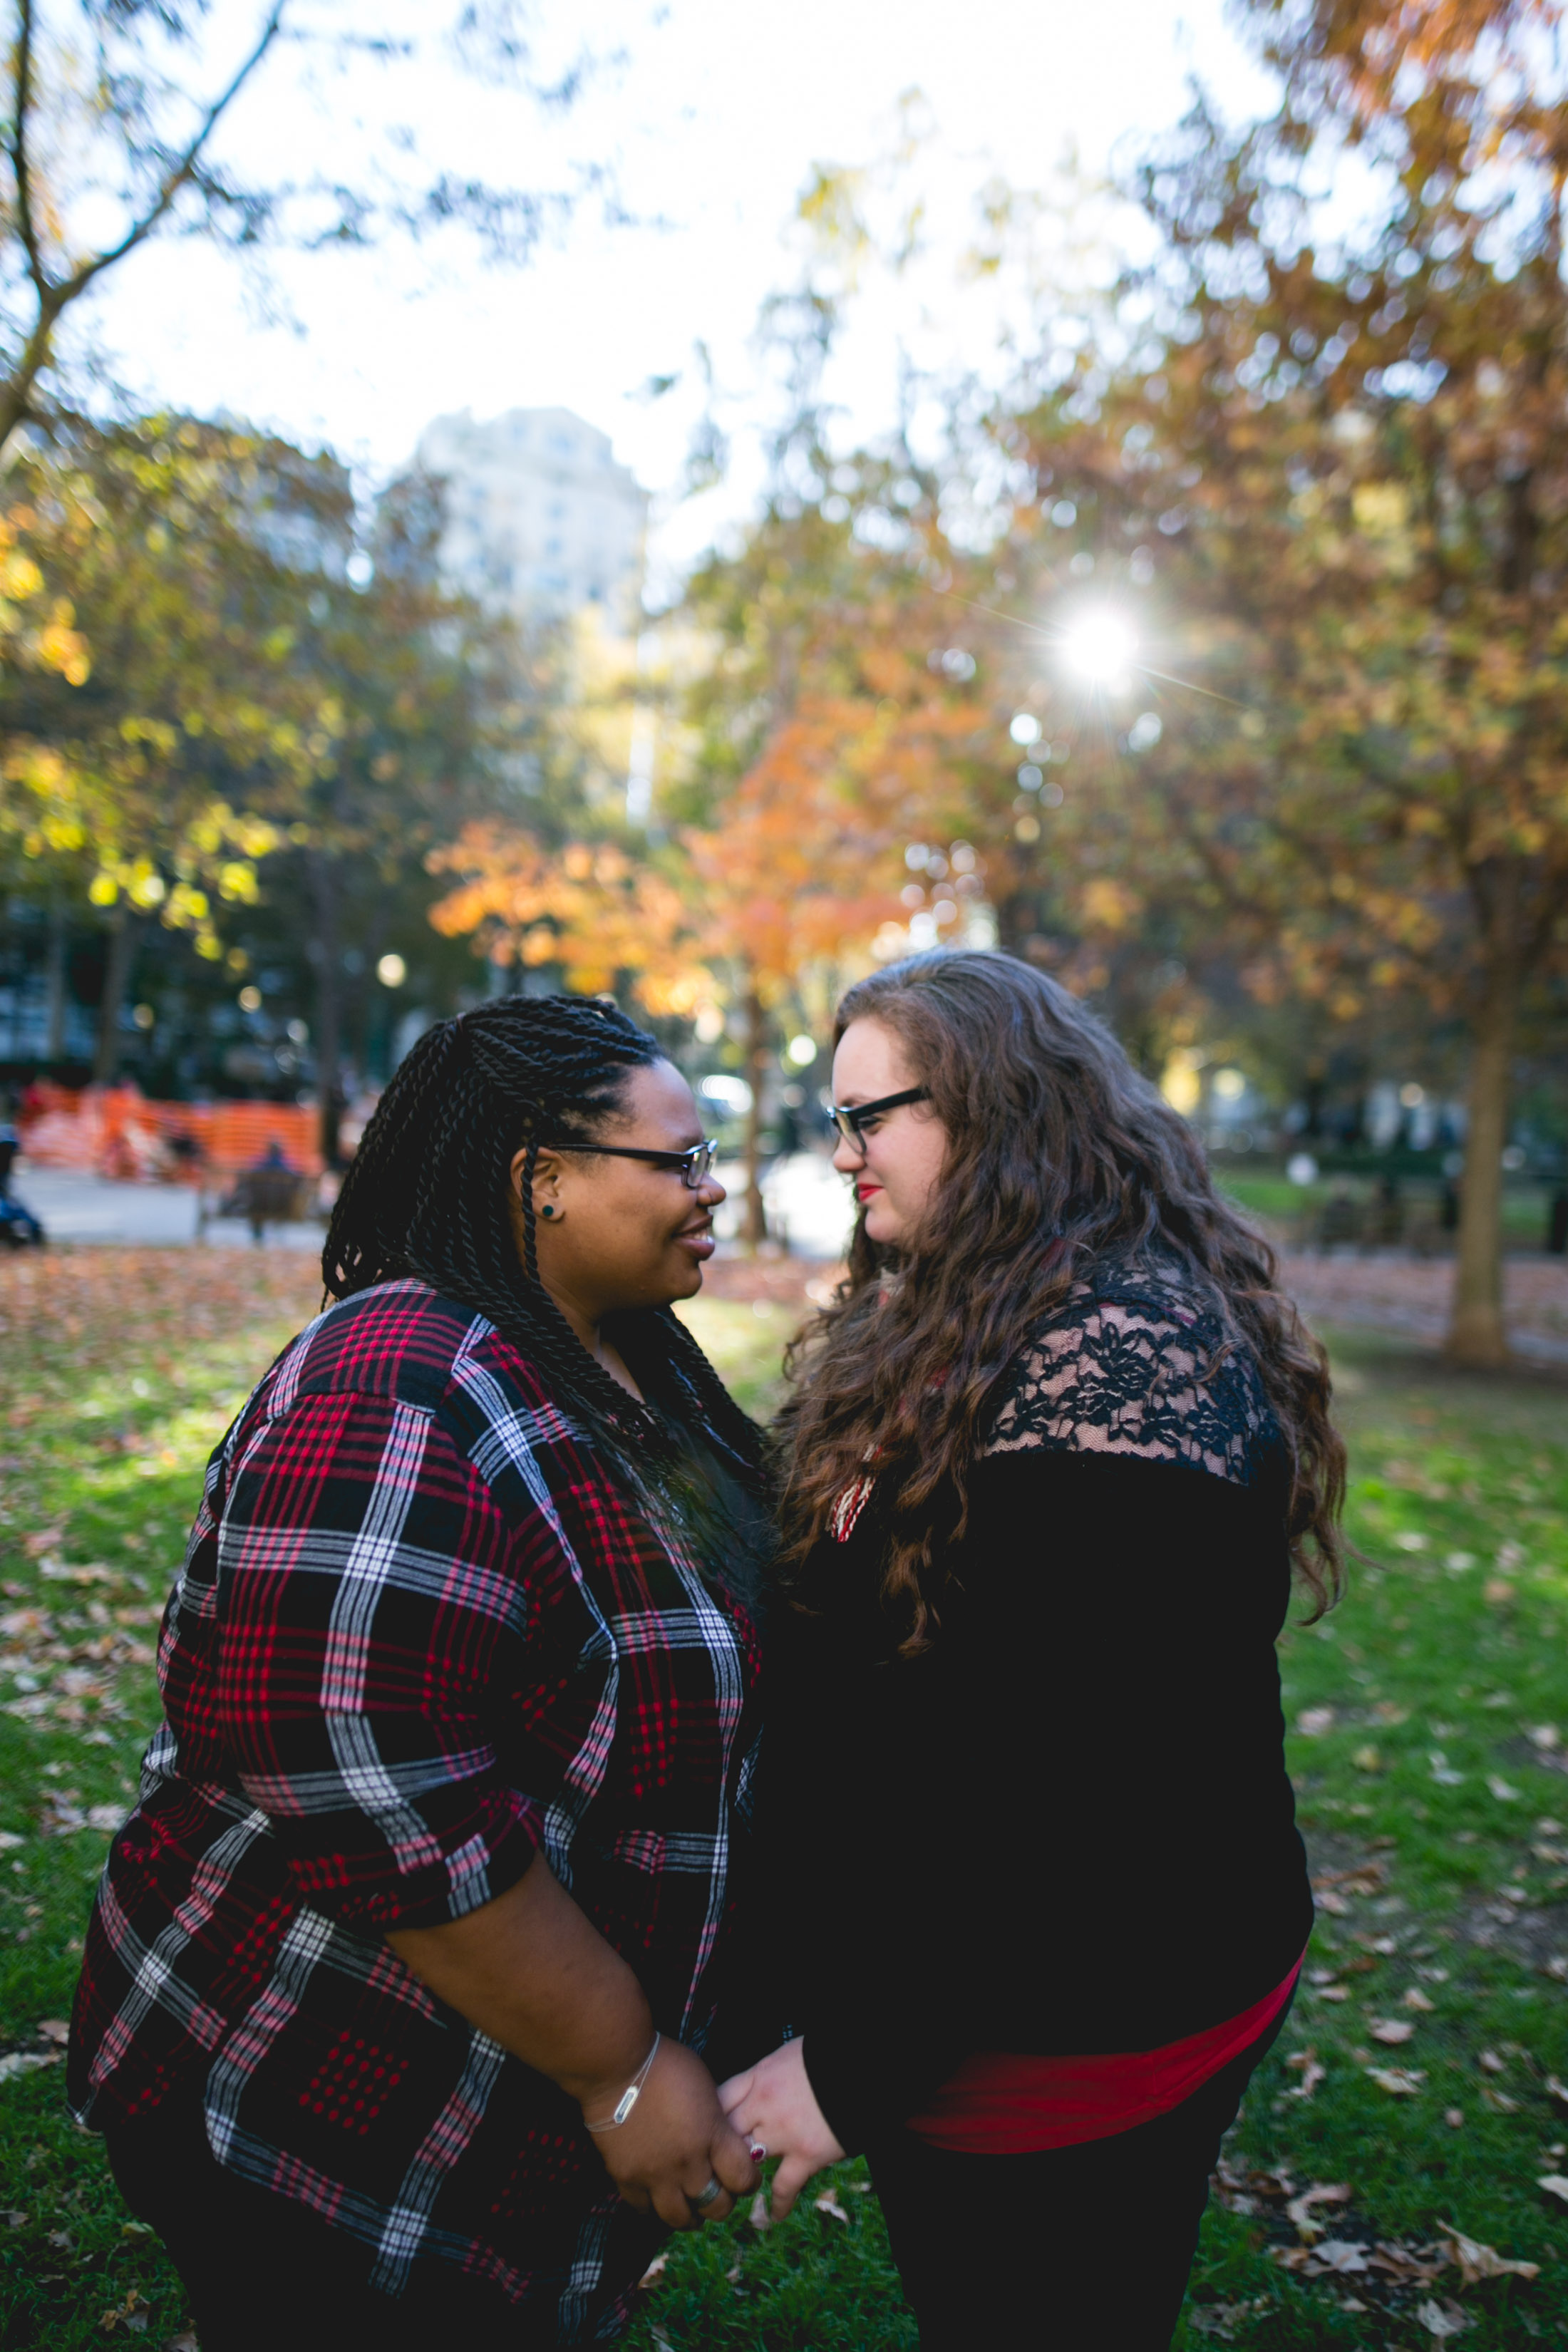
1004,2102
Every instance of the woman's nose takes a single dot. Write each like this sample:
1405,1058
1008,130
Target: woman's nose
848,1155
711,1191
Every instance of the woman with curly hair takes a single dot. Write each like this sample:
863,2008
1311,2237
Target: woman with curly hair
1037,1898
399,1973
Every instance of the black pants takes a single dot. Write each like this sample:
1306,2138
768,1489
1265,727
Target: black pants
265,2274
1070,2249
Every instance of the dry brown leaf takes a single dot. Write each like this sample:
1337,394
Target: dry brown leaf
56,2029
761,2217
1416,1999
1555,2184
1497,2101
1299,2211
1407,2266
1441,2319
1340,2255
1490,2063
654,2273
828,2203
1399,2082
1392,2030
1477,2261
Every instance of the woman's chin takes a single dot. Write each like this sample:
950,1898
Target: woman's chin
881,1226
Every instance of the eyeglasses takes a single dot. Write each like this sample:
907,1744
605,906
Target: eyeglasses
694,1165
851,1119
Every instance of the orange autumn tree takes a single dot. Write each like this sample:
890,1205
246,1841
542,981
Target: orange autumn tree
786,878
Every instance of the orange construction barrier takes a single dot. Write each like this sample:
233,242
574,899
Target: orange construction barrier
116,1131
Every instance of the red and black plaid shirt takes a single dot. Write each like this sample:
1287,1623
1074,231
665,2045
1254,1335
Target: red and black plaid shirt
420,1634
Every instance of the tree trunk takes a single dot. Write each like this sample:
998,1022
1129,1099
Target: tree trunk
55,985
754,1227
1476,1333
116,977
327,957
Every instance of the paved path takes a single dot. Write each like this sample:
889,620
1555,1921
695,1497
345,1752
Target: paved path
92,1209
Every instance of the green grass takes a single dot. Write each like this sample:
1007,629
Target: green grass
1461,1662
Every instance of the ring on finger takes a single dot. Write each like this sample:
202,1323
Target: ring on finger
757,2152
708,2195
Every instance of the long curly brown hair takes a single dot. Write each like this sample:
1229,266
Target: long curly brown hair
1059,1152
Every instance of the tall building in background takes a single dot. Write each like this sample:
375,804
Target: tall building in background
539,518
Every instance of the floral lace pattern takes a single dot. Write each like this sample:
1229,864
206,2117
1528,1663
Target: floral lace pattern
1138,1360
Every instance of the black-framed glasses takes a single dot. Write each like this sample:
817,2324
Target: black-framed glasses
850,1118
695,1165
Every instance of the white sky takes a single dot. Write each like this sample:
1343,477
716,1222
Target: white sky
714,124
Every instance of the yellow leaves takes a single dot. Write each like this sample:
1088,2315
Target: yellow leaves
1109,905
1382,509
102,890
19,576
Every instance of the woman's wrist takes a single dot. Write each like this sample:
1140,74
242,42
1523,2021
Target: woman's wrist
599,2085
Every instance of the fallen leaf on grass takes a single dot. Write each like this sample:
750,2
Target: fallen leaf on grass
1407,2266
56,2029
1441,2319
1313,2072
41,1541
1399,2082
1497,2101
1335,1904
1313,1721
23,2062
1556,2090
760,2217
1555,2183
1339,2254
1416,1999
1392,2030
1505,1793
828,2203
1490,2063
10,1841
654,2273
1323,2192
1477,2261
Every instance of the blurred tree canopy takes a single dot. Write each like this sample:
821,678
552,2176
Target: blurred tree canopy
117,111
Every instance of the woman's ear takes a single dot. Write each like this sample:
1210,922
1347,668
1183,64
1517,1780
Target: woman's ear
548,1171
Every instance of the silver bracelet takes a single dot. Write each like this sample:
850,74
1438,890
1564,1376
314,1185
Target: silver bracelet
629,2096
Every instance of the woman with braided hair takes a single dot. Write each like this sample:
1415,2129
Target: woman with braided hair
399,1973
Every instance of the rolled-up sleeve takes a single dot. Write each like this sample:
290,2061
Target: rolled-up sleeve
372,1620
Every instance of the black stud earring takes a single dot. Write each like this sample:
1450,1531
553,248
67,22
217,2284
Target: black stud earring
546,1211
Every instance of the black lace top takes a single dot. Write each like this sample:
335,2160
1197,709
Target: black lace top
1066,1826
1138,1361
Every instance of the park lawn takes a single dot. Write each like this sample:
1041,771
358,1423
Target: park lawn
1449,1655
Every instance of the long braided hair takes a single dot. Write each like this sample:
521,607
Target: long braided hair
426,1194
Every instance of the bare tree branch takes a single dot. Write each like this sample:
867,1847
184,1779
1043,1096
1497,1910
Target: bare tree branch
183,171
19,163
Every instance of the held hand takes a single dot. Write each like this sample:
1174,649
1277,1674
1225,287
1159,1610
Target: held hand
675,2141
774,2106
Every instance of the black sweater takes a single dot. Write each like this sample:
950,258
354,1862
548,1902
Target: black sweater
1068,1826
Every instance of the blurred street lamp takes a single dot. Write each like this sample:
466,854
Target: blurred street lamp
392,972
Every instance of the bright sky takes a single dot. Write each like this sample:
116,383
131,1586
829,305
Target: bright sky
713,123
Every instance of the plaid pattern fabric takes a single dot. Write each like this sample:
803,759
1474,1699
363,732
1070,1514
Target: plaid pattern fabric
419,1635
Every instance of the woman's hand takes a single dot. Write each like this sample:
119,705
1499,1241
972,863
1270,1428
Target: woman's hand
675,2141
774,2107
534,1972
